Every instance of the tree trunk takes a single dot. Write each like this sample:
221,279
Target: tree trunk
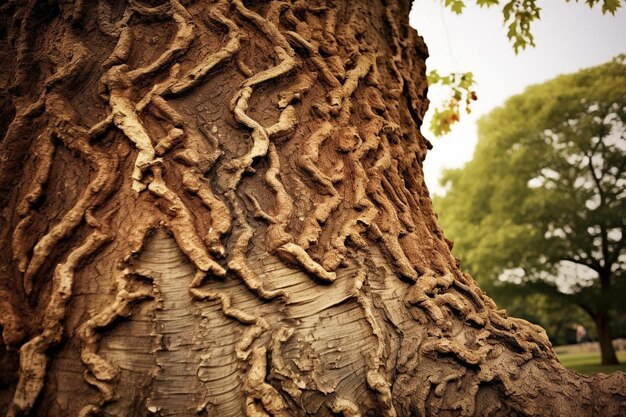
218,208
605,338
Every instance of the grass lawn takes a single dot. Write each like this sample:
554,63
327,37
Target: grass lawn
589,362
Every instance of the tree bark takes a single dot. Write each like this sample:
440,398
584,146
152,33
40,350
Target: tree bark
601,320
602,317
605,339
218,208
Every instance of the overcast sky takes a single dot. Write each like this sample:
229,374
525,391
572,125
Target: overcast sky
569,36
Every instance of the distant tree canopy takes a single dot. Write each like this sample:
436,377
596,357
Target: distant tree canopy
518,16
543,201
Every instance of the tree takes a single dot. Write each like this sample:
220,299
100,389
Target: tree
218,208
556,315
542,202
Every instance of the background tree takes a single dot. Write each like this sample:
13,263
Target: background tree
542,202
218,208
557,315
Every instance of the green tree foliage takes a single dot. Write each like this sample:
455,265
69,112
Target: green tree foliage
543,202
555,315
518,16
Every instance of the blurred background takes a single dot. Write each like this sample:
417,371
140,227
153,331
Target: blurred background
530,197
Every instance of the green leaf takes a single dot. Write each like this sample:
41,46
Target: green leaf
487,3
455,5
611,6
433,77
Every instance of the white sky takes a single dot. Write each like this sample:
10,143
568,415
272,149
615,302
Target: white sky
569,36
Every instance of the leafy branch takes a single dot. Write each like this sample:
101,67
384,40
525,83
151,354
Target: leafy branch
462,94
518,15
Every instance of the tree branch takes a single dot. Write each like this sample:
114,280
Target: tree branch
590,263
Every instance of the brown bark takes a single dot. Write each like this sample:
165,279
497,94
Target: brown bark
605,339
602,315
218,208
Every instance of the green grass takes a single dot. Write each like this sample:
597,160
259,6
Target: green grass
589,362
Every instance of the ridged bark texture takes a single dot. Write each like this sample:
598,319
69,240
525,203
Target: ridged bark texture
218,208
